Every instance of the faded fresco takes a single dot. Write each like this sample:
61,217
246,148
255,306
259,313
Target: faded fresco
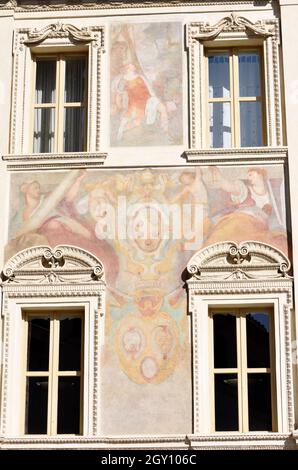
144,225
146,84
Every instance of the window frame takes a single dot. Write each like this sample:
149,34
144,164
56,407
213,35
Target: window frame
55,38
239,32
249,275
77,284
234,99
59,105
242,370
53,373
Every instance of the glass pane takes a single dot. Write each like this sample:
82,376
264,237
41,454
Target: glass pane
38,344
225,345
70,344
257,331
219,76
74,129
251,124
220,125
44,125
259,402
68,405
36,405
249,74
45,81
75,79
226,402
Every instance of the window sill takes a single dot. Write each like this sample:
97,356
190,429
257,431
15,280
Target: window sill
270,440
251,155
40,161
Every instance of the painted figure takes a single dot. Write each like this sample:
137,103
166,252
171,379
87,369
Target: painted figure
253,212
146,84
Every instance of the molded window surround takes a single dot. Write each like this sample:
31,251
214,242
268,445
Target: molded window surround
54,38
38,279
253,276
234,31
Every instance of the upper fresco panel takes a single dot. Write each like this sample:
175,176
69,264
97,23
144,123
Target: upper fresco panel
146,84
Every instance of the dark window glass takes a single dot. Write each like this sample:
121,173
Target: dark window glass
68,405
38,344
219,76
44,130
75,77
220,125
249,74
36,405
259,402
257,331
225,344
70,344
251,124
45,88
74,129
226,402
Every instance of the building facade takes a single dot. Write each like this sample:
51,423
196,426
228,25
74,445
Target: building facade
149,234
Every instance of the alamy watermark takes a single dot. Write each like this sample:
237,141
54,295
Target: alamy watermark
150,223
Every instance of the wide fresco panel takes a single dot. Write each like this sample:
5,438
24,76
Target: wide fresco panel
146,84
144,225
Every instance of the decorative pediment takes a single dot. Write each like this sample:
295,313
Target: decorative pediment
60,30
229,25
44,265
248,260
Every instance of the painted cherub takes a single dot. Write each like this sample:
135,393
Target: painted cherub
193,188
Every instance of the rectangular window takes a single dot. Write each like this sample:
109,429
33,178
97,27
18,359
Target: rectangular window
60,104
243,370
235,98
53,373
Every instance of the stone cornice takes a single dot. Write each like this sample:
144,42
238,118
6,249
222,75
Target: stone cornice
237,156
186,442
56,5
39,161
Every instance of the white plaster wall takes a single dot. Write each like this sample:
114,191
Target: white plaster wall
130,421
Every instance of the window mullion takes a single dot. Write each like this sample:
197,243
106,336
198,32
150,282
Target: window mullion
25,368
207,128
50,379
33,95
272,373
244,378
61,80
235,91
212,382
239,375
54,375
82,377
